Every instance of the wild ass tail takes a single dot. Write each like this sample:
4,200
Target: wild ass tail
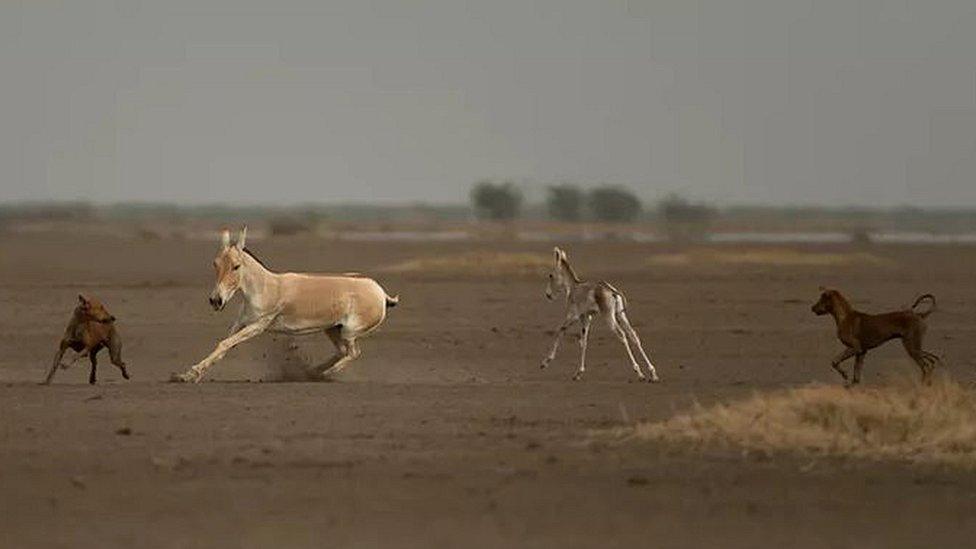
392,301
932,306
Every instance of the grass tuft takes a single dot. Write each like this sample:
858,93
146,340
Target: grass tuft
935,424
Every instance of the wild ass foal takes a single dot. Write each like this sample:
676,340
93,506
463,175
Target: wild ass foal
345,307
583,301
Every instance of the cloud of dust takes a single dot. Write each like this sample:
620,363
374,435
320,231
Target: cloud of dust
284,360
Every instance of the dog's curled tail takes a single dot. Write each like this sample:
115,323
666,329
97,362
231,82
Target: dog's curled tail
932,305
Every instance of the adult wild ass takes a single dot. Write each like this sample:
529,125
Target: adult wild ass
583,301
345,307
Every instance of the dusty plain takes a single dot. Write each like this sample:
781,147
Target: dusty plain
446,433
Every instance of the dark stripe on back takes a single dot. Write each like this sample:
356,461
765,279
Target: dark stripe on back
256,258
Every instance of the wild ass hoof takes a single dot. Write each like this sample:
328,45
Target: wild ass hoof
654,379
185,377
578,376
319,377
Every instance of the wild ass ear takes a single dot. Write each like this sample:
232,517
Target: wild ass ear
82,299
242,238
225,239
556,254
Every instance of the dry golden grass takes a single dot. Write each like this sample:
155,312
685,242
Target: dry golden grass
774,257
477,263
935,424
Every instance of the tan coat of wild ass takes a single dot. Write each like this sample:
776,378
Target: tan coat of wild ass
584,300
344,307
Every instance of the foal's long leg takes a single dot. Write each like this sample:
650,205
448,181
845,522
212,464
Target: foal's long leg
632,333
195,373
585,321
622,336
570,319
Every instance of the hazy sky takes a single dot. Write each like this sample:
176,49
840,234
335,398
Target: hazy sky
869,102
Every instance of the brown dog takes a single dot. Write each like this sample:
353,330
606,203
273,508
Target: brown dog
861,332
90,329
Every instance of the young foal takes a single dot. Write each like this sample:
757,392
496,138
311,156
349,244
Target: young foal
583,301
345,307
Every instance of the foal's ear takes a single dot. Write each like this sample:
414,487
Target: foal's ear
242,238
225,239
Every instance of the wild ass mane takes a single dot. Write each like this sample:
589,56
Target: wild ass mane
256,258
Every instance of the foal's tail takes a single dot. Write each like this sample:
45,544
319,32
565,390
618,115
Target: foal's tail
620,302
932,307
392,301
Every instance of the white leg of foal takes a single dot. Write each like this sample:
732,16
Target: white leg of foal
625,323
622,336
555,344
195,373
584,336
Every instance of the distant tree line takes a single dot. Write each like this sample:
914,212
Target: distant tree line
607,203
503,200
496,201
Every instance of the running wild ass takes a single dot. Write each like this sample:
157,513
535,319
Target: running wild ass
345,307
583,301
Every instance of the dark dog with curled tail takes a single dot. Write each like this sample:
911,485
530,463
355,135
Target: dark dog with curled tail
861,332
91,328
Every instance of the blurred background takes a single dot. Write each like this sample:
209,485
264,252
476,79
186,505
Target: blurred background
715,120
